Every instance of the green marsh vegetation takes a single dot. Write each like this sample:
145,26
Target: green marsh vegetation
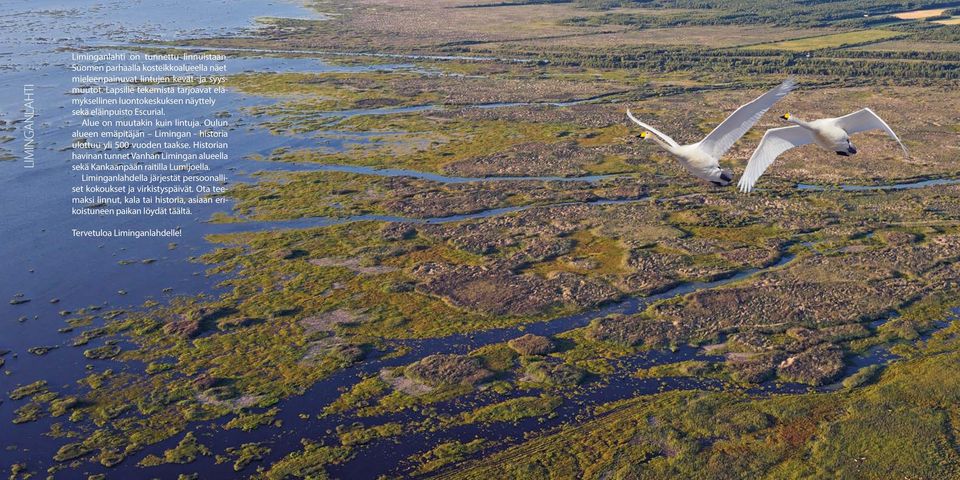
297,306
900,424
461,145
284,196
211,372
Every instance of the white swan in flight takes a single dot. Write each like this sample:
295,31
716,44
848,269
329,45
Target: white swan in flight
833,134
702,159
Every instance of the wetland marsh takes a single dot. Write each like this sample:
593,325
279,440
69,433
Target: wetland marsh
447,255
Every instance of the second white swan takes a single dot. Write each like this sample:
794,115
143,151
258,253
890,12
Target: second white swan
831,134
702,159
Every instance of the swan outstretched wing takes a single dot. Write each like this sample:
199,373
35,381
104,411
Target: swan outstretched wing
730,130
863,120
775,142
653,130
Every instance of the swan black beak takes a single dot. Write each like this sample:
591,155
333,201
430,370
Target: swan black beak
726,178
852,150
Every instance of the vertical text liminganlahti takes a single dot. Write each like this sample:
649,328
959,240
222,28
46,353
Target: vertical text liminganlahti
29,133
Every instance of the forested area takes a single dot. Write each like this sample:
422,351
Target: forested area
895,67
815,13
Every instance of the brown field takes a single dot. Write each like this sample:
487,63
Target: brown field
395,25
949,21
916,14
539,25
439,22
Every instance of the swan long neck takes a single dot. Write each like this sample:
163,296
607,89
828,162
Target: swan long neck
663,145
797,121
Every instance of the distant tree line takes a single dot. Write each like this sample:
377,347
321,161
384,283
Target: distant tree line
944,34
810,13
900,67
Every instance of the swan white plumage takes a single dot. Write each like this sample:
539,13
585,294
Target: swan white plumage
702,159
832,134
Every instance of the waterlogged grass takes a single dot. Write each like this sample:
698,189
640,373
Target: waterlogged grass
428,143
284,196
359,396
436,143
29,390
254,363
592,254
310,462
248,367
689,368
331,91
900,426
246,454
186,451
912,320
251,421
214,371
280,196
750,234
390,311
447,453
492,367
513,409
360,435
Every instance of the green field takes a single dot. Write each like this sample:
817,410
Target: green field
830,41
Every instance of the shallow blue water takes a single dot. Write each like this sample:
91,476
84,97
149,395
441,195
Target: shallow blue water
880,187
313,222
435,177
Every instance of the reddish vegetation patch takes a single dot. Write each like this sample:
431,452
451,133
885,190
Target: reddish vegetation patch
194,323
185,326
564,158
352,264
439,370
629,330
326,321
498,291
815,366
797,432
530,344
